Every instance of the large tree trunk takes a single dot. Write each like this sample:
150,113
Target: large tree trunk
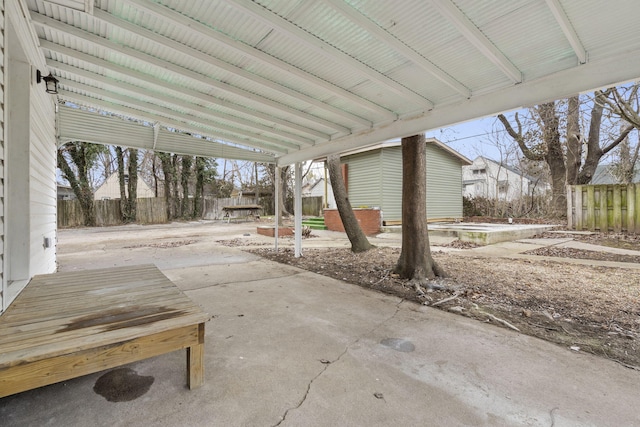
554,158
359,241
132,185
184,181
415,262
128,184
282,195
199,191
79,184
168,171
574,140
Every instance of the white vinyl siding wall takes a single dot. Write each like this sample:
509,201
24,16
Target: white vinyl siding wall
392,184
28,159
375,180
364,179
42,174
2,56
444,184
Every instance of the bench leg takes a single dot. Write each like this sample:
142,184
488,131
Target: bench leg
195,361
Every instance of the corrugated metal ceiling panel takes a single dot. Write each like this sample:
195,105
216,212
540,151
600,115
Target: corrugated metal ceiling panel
340,74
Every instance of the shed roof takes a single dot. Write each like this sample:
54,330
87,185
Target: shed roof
291,80
464,161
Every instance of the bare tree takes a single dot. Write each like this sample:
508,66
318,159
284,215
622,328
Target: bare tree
623,102
415,262
572,158
359,241
624,167
128,183
75,160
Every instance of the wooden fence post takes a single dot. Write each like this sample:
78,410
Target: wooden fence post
631,208
578,208
570,221
591,208
637,207
617,208
604,208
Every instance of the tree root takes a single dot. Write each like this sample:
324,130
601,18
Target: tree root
442,301
420,284
502,321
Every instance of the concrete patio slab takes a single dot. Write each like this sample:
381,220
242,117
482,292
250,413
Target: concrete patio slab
291,348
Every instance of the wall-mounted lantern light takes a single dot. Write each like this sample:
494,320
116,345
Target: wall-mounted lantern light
50,82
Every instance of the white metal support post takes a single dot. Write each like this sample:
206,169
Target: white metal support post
277,206
298,210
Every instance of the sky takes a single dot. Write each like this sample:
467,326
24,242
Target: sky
473,138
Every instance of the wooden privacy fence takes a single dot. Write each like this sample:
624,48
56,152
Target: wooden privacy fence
604,207
149,211
154,210
312,206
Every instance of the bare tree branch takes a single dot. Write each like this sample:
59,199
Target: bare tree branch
519,138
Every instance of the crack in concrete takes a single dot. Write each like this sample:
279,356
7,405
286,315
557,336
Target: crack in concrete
337,359
244,282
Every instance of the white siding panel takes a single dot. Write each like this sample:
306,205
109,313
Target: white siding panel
2,58
444,184
364,179
392,184
42,191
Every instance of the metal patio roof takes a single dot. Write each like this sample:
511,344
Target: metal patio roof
291,80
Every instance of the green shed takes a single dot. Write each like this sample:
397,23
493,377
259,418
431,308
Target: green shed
374,179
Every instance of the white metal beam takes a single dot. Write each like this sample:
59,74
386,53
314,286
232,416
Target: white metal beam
135,55
159,85
190,25
568,30
327,50
468,29
269,143
612,71
388,38
206,113
195,128
171,44
76,124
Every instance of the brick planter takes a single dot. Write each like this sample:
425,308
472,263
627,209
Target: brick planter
369,220
270,231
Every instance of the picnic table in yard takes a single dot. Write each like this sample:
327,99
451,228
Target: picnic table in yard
65,325
250,211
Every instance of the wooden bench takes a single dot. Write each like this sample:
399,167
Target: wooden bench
65,325
252,211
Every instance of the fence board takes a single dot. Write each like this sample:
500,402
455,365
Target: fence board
149,210
637,208
604,207
631,208
312,205
591,208
617,209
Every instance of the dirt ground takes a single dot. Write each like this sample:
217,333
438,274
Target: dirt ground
585,308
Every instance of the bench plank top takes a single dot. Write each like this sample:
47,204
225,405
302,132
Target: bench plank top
72,311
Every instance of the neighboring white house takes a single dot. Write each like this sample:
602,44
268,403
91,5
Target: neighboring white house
318,188
494,180
110,189
606,174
